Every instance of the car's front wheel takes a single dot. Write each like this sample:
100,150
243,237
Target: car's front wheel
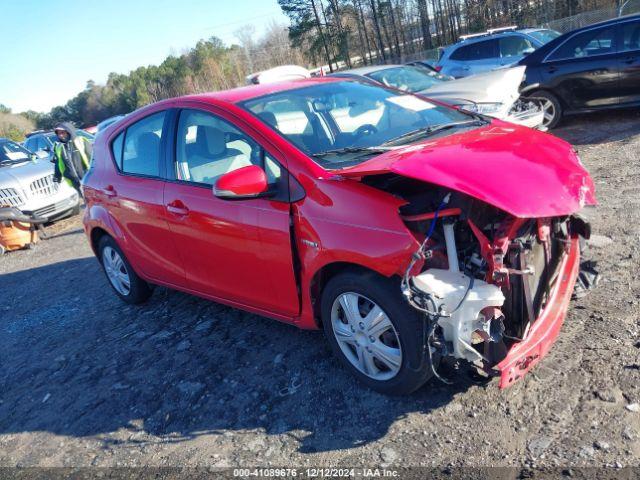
374,332
125,282
551,108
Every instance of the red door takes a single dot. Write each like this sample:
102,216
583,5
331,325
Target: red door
136,202
235,250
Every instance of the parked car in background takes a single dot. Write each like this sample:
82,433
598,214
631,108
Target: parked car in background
592,68
105,123
282,73
26,182
491,93
351,207
433,71
496,48
41,143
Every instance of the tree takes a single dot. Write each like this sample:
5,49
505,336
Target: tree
305,19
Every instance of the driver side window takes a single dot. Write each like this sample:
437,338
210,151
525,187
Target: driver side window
207,147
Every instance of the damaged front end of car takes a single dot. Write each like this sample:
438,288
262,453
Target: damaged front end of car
496,215
488,280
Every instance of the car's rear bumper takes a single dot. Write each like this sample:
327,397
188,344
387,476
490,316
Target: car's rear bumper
544,331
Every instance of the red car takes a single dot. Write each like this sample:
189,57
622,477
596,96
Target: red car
407,230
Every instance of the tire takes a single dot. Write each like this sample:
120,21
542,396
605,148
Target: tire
552,108
75,211
405,335
114,262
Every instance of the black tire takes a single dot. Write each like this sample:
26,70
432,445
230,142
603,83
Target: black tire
139,290
75,211
556,105
415,368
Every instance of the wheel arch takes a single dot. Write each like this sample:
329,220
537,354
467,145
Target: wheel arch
95,235
325,273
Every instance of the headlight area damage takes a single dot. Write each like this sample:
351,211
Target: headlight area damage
493,276
494,287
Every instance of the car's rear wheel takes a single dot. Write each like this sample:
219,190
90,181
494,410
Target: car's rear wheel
374,332
124,281
551,107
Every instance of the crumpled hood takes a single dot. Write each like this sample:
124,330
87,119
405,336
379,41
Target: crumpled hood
497,86
526,173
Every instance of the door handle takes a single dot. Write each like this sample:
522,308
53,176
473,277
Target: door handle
109,191
178,208
629,60
552,69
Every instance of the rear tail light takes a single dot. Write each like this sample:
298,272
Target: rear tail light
438,68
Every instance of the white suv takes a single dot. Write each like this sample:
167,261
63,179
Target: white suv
26,182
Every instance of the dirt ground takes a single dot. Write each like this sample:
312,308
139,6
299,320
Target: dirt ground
88,381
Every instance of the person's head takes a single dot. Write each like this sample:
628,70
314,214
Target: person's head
64,131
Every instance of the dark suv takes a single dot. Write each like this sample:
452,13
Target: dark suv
588,69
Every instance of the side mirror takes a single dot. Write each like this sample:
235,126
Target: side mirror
245,182
46,149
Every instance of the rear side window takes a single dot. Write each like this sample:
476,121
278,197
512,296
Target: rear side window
630,36
116,149
141,152
459,54
477,51
587,44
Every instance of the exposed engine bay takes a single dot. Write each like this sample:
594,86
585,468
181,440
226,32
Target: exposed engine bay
481,276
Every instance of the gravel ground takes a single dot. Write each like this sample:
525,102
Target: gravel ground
88,381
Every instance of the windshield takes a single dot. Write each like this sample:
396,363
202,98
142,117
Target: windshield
330,117
544,36
409,79
12,152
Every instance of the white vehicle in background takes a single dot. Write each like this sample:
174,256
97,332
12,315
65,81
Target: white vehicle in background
494,93
26,182
278,74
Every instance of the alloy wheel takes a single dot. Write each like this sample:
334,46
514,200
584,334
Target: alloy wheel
116,270
366,336
549,112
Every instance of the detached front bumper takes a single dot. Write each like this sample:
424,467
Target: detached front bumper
544,331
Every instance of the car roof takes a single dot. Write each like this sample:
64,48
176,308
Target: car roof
367,70
242,94
532,29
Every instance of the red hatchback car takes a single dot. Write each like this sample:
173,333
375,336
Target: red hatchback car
407,230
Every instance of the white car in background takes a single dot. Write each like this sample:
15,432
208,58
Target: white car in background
26,182
494,93
282,73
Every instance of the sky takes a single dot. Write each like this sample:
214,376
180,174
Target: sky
49,50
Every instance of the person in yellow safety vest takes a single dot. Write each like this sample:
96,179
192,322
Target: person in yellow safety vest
72,153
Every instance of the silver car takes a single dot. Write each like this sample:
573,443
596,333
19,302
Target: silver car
26,182
495,94
496,48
